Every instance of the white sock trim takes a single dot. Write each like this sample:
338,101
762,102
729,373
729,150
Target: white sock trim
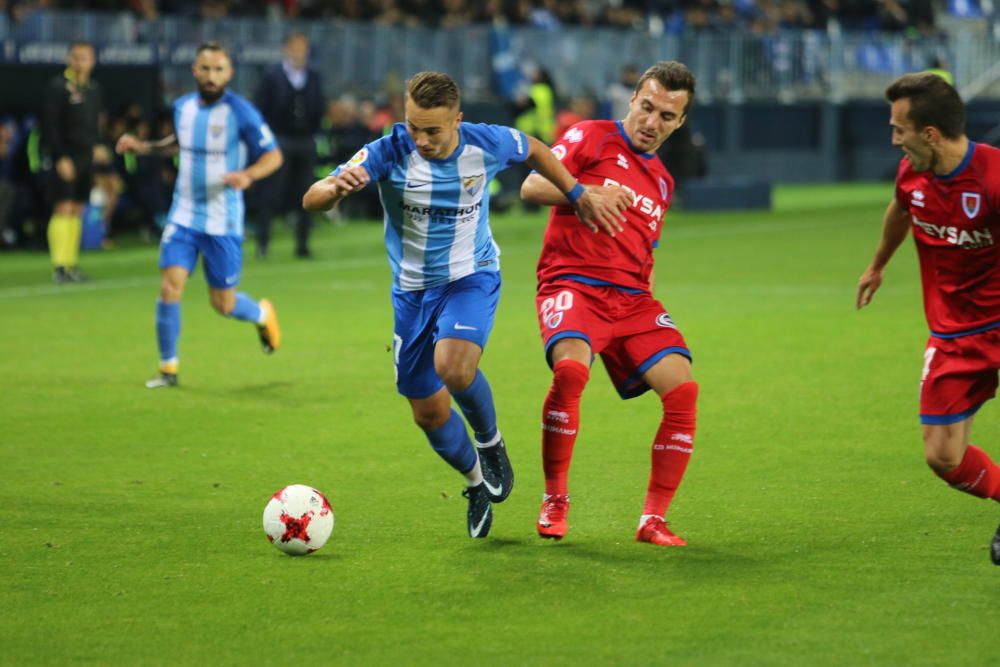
475,476
646,517
495,441
263,314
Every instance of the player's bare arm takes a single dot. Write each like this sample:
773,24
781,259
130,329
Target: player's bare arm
895,227
129,143
267,164
327,192
594,209
538,190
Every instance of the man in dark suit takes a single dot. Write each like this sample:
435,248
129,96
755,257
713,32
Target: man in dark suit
291,101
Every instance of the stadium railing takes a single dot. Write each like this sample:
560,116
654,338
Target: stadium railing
363,58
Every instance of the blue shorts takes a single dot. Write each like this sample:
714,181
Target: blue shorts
461,309
222,255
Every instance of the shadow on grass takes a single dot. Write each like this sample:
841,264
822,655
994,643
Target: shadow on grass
256,389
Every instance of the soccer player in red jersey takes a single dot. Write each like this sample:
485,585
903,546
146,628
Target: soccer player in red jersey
595,296
948,191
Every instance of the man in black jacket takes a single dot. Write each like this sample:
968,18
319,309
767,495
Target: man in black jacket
69,133
291,100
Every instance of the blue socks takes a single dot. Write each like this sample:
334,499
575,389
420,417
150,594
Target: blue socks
476,402
452,443
246,309
168,329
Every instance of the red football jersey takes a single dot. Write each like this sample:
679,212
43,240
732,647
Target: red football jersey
956,226
598,152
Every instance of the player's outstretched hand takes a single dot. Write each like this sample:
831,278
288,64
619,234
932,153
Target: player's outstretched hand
238,180
128,143
351,180
602,208
868,284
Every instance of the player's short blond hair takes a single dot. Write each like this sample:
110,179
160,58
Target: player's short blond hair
430,90
672,75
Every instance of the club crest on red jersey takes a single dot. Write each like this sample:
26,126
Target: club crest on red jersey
970,204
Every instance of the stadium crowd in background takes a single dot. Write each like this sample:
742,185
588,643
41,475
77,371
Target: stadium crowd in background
759,16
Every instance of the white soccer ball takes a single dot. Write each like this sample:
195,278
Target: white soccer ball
298,519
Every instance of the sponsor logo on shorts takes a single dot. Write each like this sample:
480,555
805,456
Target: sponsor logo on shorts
554,321
663,320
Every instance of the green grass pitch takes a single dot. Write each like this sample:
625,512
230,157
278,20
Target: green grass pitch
131,518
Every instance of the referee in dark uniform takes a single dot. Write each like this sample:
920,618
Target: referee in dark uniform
69,133
291,100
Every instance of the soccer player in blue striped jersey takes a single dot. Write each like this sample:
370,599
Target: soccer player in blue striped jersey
225,146
433,175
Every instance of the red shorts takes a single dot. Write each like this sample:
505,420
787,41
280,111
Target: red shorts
960,374
631,332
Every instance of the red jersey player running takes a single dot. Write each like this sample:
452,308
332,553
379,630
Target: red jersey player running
949,189
595,296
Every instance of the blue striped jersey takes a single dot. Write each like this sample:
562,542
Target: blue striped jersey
214,139
437,226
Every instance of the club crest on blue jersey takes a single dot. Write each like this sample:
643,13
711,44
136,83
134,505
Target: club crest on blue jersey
970,204
472,184
216,130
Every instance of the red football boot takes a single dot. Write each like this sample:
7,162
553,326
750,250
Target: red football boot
552,516
655,531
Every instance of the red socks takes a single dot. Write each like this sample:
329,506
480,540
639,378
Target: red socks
560,421
672,447
976,475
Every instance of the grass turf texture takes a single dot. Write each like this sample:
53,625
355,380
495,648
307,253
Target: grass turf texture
131,518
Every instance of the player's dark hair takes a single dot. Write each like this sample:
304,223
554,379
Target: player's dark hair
210,46
430,90
933,102
672,75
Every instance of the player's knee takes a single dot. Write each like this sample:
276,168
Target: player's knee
942,452
569,378
170,292
431,420
457,377
222,305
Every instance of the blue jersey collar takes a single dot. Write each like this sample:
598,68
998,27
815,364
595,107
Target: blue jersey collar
961,165
621,131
